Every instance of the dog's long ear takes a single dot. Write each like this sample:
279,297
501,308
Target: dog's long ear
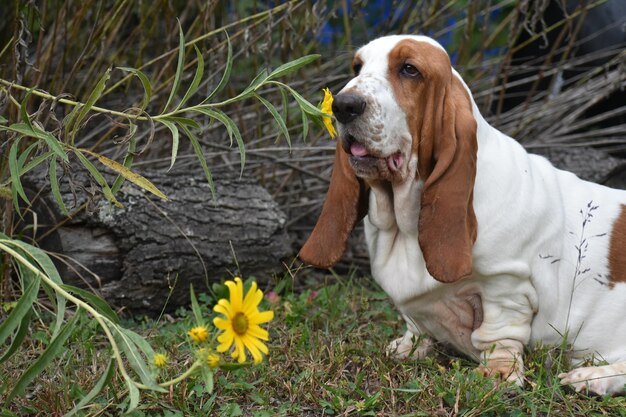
447,223
345,206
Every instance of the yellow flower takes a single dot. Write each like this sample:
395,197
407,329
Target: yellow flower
199,334
159,360
241,325
327,107
213,360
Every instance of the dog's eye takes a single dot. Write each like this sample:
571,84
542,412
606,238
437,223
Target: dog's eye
409,70
356,68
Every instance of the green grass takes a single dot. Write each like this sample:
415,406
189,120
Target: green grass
326,358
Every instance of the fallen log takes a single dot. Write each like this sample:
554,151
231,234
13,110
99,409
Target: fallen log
148,252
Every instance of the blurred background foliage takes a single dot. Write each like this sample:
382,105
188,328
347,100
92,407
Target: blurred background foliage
65,47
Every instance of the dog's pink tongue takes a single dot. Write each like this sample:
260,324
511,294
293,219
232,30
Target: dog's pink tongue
358,149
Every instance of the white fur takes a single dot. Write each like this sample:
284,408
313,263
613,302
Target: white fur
525,257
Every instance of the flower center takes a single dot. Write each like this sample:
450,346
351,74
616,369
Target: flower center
240,324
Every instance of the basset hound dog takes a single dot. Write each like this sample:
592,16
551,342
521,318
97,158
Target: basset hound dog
479,244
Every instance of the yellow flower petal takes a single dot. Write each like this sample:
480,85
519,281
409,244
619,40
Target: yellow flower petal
213,360
239,325
159,360
327,107
258,344
256,354
223,307
253,298
260,317
221,324
239,353
198,334
236,294
226,340
260,333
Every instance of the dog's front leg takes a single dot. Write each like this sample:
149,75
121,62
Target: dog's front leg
509,304
414,344
504,360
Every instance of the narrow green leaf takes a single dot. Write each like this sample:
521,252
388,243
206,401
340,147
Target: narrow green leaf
104,380
19,311
49,269
260,78
53,143
25,154
128,161
232,366
231,128
140,341
126,342
21,333
179,67
33,163
14,168
207,377
195,307
279,119
54,185
133,394
220,116
292,66
131,176
23,112
96,302
3,120
35,132
68,122
227,70
145,82
304,103
181,121
91,100
193,87
106,190
52,351
172,127
22,307
200,154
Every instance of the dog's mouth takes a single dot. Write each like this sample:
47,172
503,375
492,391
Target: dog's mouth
363,159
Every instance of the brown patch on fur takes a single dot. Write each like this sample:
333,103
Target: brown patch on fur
344,207
617,250
439,115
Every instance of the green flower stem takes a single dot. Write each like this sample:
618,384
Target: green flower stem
99,317
176,380
43,94
49,96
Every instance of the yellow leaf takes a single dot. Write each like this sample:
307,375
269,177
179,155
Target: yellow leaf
131,176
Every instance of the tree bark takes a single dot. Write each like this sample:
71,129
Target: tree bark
150,251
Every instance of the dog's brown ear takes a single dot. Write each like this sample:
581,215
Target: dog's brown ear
345,206
447,223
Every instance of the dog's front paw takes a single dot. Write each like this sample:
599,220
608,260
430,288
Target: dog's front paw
599,380
409,346
506,370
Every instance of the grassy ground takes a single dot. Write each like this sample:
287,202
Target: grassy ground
326,358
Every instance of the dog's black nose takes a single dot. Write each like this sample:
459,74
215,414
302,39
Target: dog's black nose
347,107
